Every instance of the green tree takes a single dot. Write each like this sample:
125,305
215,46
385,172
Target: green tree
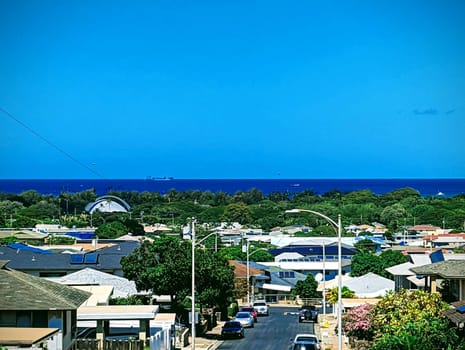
214,280
364,262
332,294
41,210
307,288
412,320
390,258
134,227
113,229
164,267
365,246
257,252
237,212
393,215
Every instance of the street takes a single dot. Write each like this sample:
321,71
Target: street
271,332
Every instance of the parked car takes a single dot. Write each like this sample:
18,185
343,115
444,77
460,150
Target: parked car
251,310
261,307
232,329
306,341
245,319
308,313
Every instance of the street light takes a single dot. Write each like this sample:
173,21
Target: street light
193,286
338,226
248,266
193,278
216,240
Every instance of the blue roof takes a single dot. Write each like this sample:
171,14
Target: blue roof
314,249
22,246
81,235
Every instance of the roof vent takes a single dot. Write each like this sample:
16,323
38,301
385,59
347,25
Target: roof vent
33,258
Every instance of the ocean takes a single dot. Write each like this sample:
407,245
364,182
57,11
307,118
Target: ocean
426,187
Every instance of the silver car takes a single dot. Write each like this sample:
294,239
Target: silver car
245,319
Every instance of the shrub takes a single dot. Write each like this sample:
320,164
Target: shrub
358,322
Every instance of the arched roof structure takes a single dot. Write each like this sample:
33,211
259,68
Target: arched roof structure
108,204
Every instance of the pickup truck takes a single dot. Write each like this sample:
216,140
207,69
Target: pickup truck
308,313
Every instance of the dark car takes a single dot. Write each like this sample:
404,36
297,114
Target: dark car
251,310
232,329
308,313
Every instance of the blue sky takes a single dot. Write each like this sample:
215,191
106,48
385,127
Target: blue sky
232,89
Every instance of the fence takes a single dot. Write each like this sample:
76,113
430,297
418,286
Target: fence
94,344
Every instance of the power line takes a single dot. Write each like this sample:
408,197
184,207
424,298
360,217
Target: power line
50,143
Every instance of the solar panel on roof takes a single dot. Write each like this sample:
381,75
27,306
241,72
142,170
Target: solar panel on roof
77,258
90,258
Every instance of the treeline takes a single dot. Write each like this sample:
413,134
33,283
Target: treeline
402,207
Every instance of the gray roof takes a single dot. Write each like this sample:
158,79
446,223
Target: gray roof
108,259
20,291
401,269
122,287
370,285
450,269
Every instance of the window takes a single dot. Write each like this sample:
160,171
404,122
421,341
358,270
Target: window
286,274
40,319
54,319
7,318
23,319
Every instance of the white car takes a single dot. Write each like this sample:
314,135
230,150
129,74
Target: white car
261,307
306,341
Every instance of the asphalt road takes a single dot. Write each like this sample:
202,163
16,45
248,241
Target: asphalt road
271,332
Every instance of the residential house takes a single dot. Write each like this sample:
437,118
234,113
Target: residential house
45,263
452,271
280,284
405,278
448,240
31,302
122,287
313,256
369,285
240,279
24,236
376,229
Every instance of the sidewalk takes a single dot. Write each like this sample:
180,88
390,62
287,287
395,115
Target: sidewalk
327,334
210,340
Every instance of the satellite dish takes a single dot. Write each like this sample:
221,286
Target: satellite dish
319,277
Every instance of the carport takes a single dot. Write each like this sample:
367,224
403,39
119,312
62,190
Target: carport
104,314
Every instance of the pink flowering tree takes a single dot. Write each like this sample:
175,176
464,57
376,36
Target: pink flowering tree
357,322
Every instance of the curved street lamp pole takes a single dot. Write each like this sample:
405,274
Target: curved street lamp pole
194,243
338,226
247,247
193,286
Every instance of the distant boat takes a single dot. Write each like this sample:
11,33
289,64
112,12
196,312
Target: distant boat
440,193
164,178
295,185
